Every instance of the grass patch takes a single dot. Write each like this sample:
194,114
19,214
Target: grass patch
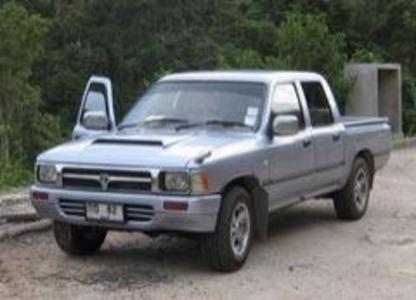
14,174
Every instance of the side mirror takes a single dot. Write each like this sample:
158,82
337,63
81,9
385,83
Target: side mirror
285,125
95,120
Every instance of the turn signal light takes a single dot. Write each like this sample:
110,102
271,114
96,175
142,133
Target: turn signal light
175,205
39,196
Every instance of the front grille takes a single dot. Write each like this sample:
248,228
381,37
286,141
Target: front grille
73,208
106,180
138,213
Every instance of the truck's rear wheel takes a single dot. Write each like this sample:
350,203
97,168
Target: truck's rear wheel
78,240
352,201
227,249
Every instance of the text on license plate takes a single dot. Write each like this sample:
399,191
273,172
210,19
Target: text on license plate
105,212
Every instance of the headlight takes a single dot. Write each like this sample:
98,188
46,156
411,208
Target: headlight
47,173
175,181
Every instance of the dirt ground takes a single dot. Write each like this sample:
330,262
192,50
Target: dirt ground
309,255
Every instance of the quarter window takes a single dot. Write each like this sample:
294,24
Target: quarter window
319,109
286,102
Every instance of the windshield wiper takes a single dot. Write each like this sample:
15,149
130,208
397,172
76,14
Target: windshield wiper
224,123
153,120
125,126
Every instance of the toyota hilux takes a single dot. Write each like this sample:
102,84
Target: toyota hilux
207,155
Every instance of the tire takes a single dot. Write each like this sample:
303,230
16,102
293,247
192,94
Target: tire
352,201
78,240
227,249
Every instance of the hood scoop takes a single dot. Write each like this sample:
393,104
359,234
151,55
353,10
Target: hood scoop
153,143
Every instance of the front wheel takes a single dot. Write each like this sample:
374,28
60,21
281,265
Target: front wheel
78,240
352,201
227,249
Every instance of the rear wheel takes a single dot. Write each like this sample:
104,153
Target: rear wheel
228,247
78,240
352,201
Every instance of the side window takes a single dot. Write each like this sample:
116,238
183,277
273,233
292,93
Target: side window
95,101
286,102
319,109
95,111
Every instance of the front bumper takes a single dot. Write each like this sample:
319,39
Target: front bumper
200,217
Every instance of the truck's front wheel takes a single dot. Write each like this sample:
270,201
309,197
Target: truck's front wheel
352,201
78,240
227,249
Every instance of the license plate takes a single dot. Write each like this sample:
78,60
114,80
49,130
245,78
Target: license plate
105,212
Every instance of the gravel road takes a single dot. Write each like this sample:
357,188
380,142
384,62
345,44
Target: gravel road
309,254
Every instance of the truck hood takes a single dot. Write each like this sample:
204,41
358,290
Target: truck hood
145,150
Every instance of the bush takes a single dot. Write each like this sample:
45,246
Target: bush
14,174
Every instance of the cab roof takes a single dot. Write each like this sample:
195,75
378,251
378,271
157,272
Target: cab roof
243,76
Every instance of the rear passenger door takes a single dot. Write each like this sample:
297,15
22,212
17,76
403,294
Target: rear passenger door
327,135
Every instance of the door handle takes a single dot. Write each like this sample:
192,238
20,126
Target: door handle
336,137
307,143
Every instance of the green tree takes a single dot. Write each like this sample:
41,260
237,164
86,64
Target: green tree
302,42
23,127
132,41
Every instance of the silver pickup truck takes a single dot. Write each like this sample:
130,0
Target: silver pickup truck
208,155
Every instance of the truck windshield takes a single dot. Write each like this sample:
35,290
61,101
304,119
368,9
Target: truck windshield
191,104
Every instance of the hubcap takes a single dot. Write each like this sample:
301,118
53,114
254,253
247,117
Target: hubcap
361,189
240,230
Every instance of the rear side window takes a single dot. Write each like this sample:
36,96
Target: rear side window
286,102
319,109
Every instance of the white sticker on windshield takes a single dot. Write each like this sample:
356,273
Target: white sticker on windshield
251,116
250,121
252,111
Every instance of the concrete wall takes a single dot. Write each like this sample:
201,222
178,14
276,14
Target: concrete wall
376,91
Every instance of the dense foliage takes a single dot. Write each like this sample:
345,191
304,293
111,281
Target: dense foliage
24,128
48,49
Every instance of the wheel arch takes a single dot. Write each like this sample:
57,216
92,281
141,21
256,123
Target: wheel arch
368,156
259,199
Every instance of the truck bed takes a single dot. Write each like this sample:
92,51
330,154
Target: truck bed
367,133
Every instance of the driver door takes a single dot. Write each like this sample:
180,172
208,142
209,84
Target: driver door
96,115
290,156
